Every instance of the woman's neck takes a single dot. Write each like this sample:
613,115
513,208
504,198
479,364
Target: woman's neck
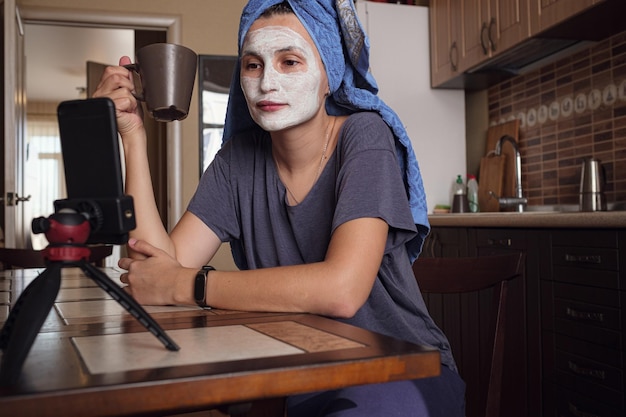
301,155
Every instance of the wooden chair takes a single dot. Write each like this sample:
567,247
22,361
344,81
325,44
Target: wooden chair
30,258
469,275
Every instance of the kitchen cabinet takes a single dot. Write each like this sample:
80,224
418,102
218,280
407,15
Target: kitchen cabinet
582,296
444,40
465,35
547,13
566,344
464,317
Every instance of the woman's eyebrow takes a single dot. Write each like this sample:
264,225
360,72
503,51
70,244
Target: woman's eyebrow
291,48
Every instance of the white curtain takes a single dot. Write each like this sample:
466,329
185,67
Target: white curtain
44,180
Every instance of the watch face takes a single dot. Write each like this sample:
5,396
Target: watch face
199,288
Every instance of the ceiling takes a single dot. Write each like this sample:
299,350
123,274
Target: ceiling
56,57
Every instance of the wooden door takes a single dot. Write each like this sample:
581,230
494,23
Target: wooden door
14,104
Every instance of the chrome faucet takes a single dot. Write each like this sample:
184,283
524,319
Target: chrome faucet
519,200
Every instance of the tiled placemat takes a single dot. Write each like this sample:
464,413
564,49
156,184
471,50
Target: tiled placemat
305,337
5,297
104,310
81,294
135,351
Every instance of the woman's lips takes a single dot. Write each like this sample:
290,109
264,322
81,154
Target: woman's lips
270,106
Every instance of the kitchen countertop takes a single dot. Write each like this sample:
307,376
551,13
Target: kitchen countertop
534,219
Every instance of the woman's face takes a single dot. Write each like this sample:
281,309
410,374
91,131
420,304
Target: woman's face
282,75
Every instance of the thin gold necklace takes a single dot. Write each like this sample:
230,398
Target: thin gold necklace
329,130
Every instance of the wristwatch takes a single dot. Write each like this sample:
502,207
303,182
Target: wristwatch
199,286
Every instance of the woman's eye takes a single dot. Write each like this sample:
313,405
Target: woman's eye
251,66
292,64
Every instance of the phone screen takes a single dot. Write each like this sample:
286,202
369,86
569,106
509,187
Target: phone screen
91,155
93,173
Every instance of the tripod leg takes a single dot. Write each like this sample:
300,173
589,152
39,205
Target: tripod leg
25,321
129,303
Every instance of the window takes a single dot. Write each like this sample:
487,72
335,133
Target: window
215,74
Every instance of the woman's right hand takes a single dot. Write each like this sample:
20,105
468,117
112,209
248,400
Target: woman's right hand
117,84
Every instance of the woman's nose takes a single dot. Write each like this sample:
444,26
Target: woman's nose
269,79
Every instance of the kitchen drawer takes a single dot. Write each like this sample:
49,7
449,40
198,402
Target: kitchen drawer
588,258
590,277
501,239
603,297
591,351
592,334
601,238
599,381
587,314
582,312
561,402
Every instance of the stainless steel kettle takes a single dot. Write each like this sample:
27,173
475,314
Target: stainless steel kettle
592,184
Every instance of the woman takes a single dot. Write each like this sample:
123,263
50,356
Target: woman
321,201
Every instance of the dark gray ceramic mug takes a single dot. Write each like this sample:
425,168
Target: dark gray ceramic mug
167,72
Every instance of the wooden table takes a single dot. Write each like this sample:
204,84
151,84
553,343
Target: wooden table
93,358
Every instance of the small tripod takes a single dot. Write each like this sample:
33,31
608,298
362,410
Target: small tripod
67,231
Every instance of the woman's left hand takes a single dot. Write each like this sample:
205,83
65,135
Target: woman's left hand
154,280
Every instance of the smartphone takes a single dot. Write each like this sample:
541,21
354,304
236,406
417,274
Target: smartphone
93,173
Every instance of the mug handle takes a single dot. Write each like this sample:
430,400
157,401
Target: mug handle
135,68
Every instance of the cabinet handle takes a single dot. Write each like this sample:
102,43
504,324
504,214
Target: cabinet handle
507,242
583,259
454,56
584,315
580,370
492,36
484,38
578,413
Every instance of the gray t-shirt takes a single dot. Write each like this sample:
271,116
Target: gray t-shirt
241,198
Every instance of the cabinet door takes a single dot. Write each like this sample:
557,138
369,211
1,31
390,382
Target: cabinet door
444,40
446,242
474,45
547,13
508,24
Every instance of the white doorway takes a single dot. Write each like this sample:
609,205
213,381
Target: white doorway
170,25
56,60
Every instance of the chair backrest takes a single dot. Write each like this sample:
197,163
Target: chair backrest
467,275
30,258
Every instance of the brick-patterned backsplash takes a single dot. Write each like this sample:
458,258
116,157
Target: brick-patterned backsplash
569,110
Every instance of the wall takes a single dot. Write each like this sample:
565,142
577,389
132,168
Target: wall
568,110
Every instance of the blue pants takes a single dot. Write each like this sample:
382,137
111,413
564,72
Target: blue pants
442,396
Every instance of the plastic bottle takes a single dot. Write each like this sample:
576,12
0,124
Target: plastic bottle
459,199
472,193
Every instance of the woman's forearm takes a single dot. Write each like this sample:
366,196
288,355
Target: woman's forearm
139,185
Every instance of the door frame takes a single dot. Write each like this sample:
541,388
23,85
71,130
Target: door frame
172,25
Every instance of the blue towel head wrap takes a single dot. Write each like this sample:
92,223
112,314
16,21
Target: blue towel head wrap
344,48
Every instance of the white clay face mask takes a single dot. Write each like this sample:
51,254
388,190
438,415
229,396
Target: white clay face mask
280,78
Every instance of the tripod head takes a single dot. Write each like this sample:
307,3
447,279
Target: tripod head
66,231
